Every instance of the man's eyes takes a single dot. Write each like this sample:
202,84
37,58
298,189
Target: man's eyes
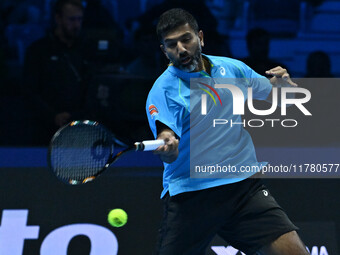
174,44
186,39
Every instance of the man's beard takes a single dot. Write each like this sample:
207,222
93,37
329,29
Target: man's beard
193,63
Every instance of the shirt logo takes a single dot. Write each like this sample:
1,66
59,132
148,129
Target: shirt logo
153,110
222,71
204,97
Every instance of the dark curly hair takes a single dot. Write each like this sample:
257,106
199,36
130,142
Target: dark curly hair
172,19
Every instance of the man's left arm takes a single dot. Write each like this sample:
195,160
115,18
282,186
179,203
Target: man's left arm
281,78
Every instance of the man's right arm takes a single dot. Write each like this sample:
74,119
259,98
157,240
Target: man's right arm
169,151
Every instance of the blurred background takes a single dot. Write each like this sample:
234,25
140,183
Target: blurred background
97,59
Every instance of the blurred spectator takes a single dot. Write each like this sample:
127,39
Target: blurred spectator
12,109
325,103
55,72
318,65
227,12
150,62
214,42
21,23
315,2
3,69
96,16
258,41
104,38
20,11
3,56
279,17
285,9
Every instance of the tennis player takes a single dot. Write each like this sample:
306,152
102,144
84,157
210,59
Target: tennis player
240,210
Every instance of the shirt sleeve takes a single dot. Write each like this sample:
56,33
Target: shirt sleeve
160,107
261,85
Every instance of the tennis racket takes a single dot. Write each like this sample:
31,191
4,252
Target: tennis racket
81,150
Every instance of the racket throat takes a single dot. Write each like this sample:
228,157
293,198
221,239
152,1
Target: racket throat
148,145
139,146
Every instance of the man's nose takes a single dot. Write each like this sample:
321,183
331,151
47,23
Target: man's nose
181,48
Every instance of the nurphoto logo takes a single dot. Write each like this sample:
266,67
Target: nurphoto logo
286,98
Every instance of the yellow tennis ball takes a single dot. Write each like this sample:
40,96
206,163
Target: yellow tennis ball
117,217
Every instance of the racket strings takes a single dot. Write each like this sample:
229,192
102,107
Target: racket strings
80,151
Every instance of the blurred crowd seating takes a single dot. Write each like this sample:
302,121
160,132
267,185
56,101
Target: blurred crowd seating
124,54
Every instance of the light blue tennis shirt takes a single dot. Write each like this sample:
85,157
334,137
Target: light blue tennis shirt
169,103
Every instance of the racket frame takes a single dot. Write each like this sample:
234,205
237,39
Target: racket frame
138,146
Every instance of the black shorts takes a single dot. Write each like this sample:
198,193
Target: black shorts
244,214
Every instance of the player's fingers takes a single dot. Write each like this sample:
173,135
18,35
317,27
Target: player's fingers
162,147
165,148
277,72
171,144
159,150
275,69
286,77
292,83
280,72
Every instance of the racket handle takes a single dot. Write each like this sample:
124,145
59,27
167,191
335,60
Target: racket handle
148,145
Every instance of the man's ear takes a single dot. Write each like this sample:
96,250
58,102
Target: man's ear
164,51
200,36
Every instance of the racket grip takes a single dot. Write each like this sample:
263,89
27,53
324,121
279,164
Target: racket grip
148,145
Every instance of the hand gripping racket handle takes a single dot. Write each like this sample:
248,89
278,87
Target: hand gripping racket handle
148,145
